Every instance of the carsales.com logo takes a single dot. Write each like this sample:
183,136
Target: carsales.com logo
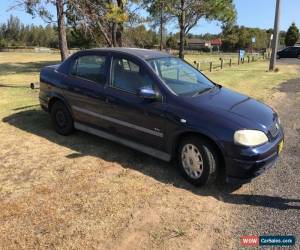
254,241
249,241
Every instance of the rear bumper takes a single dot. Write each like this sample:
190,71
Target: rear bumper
239,171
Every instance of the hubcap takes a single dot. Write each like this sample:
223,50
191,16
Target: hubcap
192,161
60,118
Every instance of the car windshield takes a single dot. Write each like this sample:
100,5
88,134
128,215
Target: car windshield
181,77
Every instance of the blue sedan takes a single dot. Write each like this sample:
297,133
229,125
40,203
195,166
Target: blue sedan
162,106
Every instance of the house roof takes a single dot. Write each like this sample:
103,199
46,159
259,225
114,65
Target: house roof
216,41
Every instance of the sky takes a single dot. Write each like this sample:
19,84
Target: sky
250,13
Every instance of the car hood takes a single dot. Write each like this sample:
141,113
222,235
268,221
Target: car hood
246,111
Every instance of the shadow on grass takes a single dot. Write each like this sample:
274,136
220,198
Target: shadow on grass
37,122
290,86
27,67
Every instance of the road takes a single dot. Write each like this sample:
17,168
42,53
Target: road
290,61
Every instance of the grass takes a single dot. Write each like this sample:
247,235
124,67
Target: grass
85,192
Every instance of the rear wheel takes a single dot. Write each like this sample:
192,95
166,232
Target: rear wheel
61,118
198,160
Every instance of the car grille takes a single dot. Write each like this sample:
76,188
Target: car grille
274,129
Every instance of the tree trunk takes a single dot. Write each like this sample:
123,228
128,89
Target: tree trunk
182,31
120,27
161,27
62,36
113,35
119,34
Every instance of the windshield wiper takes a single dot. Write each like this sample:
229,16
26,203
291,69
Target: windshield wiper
203,90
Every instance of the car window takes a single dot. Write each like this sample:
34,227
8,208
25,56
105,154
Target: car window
129,76
90,67
181,77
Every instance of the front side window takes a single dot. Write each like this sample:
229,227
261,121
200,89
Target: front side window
129,76
90,67
181,77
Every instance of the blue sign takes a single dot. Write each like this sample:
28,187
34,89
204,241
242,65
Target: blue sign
241,54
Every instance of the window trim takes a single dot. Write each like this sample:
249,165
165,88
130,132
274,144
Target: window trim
107,57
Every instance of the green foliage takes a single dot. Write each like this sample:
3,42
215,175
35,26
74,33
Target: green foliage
141,37
292,35
240,37
14,33
172,42
115,13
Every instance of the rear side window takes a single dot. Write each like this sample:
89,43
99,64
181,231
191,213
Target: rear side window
91,68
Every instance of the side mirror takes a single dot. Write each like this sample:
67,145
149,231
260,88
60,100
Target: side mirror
148,93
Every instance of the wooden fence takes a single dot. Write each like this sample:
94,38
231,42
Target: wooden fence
225,62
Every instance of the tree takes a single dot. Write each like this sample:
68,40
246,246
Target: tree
238,37
101,19
172,42
41,8
189,12
292,35
141,37
159,11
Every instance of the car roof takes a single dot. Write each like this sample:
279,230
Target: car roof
142,53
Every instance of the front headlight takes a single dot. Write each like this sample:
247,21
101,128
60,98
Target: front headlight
250,137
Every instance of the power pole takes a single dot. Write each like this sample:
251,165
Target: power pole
275,37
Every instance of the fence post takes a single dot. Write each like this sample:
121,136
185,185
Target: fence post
210,67
253,59
230,62
198,66
248,59
221,63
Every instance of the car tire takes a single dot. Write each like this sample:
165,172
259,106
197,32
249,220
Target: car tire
61,117
198,160
277,57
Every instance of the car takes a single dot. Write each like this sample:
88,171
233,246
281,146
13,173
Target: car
160,105
289,52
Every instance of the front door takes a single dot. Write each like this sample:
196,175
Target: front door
135,118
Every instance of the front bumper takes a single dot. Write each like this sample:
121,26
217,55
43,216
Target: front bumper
252,161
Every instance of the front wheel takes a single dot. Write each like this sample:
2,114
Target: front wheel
198,160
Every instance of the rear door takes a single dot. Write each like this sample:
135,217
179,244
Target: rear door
86,88
134,118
